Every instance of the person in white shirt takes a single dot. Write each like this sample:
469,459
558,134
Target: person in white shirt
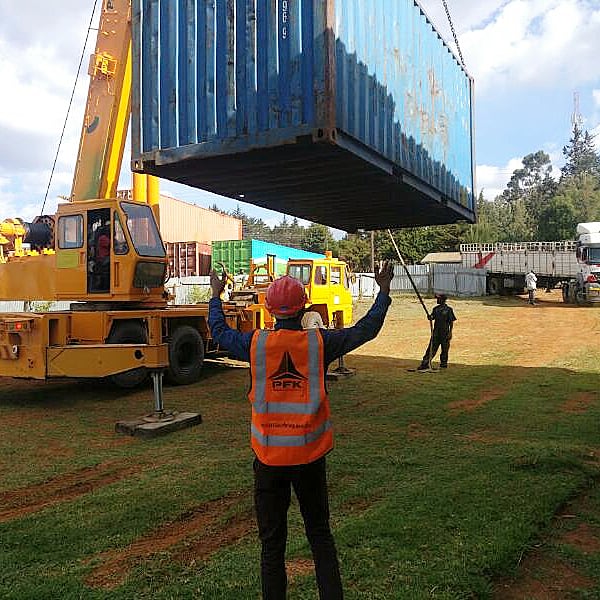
531,283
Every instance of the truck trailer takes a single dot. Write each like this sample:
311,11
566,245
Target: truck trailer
572,265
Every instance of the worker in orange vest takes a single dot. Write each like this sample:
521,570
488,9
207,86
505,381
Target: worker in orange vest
291,430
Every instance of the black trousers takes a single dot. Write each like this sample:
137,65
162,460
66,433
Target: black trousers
435,342
272,495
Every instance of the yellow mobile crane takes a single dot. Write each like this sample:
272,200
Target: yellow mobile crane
106,254
103,252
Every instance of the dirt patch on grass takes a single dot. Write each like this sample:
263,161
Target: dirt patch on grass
543,577
544,574
23,501
579,403
475,403
584,537
299,567
417,431
233,530
199,533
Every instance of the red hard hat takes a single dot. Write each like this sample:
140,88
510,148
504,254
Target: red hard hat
285,297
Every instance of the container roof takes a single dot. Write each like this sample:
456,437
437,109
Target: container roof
442,257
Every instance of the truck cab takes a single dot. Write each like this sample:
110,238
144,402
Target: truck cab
585,288
327,284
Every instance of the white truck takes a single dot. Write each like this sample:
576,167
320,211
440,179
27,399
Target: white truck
574,265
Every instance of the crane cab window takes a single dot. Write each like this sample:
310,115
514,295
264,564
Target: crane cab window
120,245
300,272
321,275
70,232
98,232
143,230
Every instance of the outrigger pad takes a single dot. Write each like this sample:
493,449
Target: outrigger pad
150,428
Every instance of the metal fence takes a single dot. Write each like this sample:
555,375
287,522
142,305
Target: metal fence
453,280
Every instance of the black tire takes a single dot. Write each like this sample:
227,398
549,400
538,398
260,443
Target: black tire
186,356
129,332
494,286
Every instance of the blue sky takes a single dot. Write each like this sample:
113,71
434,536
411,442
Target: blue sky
528,58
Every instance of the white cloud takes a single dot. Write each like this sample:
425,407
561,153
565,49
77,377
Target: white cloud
491,180
540,43
596,97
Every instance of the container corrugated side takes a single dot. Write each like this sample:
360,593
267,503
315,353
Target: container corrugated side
350,113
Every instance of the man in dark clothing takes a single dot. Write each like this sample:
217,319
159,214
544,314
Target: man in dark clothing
443,320
278,466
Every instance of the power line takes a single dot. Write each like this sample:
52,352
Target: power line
69,107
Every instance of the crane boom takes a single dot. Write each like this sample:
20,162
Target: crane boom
107,109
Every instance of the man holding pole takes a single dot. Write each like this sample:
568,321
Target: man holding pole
443,320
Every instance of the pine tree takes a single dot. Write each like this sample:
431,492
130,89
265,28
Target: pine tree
581,156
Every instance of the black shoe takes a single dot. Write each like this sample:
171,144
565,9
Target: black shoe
443,366
422,368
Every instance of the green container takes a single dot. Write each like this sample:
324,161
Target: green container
238,255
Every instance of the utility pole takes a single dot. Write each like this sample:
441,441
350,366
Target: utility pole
372,252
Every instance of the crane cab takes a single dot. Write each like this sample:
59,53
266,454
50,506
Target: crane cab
103,251
109,250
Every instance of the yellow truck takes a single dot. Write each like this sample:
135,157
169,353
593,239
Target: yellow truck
326,280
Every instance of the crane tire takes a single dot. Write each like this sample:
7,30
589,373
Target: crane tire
128,332
186,356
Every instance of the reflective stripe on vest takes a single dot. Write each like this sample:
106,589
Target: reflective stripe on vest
291,441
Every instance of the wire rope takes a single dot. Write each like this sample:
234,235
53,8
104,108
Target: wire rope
62,135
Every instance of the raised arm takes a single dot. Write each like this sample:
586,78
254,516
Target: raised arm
238,344
340,342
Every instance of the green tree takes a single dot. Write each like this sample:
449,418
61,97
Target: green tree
487,229
526,194
558,221
318,238
580,156
355,249
288,233
582,192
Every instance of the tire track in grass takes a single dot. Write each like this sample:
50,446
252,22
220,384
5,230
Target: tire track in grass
195,535
63,488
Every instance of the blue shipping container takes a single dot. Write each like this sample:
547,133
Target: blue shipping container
351,113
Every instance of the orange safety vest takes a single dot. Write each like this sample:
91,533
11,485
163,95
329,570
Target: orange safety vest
290,406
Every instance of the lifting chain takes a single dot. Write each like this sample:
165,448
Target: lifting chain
453,33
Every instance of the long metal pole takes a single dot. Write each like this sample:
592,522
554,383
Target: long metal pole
408,273
418,296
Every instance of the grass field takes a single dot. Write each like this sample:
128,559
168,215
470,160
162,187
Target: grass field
476,482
